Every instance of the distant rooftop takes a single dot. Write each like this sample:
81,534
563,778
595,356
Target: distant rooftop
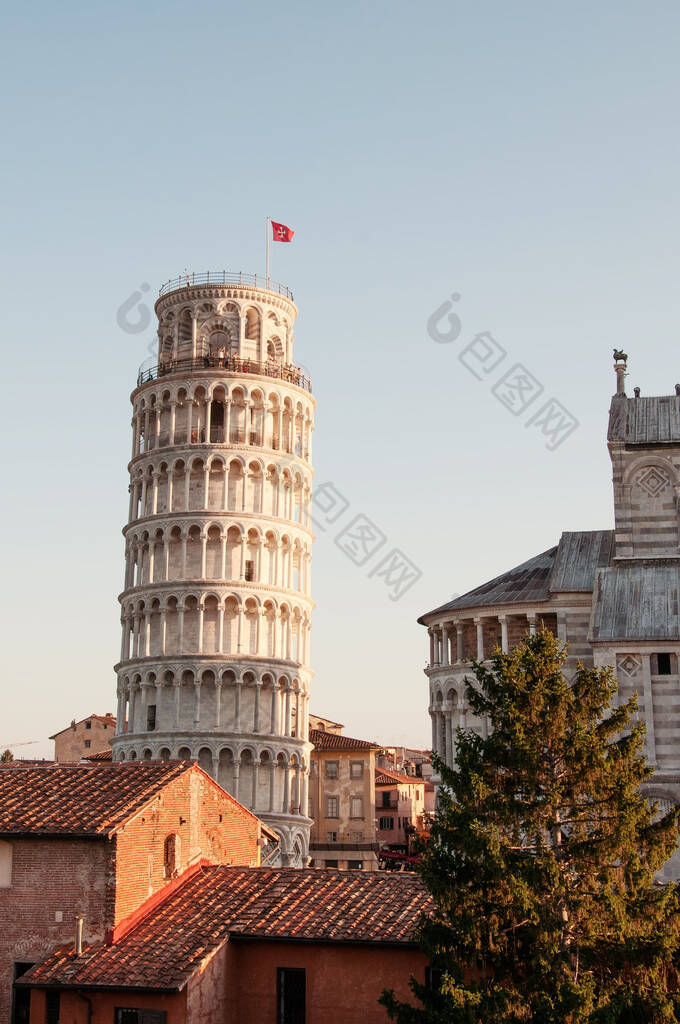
335,741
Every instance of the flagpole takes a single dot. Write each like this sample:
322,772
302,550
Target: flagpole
267,233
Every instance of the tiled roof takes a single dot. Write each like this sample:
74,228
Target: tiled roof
653,420
332,741
578,556
388,778
79,799
218,902
101,755
570,566
526,582
637,602
106,719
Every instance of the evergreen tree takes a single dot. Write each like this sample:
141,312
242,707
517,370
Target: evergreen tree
6,756
542,858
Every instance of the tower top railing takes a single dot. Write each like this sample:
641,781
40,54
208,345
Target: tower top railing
225,277
230,364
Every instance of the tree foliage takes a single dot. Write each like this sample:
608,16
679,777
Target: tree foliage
542,858
6,756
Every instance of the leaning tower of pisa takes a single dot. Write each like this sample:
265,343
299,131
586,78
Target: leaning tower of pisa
216,607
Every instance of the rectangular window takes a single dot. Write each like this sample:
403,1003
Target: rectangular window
386,798
88,744
150,717
662,664
332,807
331,863
332,769
250,571
356,769
355,865
356,807
52,1007
290,995
331,837
88,725
123,1015
433,977
386,824
21,997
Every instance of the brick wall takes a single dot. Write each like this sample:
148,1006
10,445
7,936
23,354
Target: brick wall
50,878
210,826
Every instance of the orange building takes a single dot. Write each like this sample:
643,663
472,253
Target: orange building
80,739
400,807
102,842
237,944
342,800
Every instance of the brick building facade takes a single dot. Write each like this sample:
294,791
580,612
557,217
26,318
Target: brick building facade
100,842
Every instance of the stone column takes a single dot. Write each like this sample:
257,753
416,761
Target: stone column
459,642
218,703
503,619
237,706
256,781
201,612
133,708
152,556
180,627
286,712
256,714
197,703
276,710
272,784
448,725
171,438
480,639
304,800
164,628
237,772
220,628
178,698
445,646
287,768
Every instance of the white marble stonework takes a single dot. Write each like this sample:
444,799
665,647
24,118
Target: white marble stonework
216,607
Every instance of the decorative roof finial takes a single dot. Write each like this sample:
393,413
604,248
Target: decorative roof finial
620,364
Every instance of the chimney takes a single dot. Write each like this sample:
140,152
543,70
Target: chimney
620,365
78,948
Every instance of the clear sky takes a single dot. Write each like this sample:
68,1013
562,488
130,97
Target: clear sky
522,156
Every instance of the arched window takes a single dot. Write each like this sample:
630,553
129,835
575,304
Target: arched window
5,865
171,855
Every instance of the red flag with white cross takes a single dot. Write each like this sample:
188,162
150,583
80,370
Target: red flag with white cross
281,233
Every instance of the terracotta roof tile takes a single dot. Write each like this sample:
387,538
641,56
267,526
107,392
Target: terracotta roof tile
332,741
383,777
101,755
79,799
219,902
